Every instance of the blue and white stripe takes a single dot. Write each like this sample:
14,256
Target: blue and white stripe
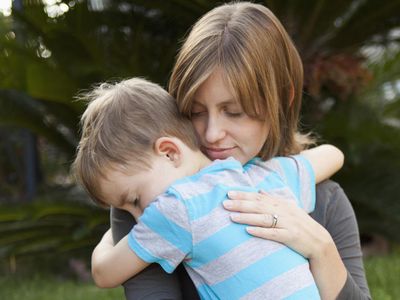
189,224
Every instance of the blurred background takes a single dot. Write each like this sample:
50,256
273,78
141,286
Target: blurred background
52,49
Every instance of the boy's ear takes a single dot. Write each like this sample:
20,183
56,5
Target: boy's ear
169,148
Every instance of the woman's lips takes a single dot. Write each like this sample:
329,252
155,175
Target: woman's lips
218,153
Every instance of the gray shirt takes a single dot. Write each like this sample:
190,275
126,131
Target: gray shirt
333,211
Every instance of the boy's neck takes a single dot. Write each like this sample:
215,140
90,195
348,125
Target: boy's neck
192,161
196,161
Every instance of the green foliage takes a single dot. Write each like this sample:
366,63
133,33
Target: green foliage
46,287
49,226
371,166
382,274
46,60
323,26
367,129
19,109
50,59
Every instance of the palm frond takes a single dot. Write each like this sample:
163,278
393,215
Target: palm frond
20,110
26,229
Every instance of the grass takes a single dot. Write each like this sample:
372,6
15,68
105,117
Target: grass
49,277
45,287
383,273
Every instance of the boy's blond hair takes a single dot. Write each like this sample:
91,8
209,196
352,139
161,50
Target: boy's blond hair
119,128
259,62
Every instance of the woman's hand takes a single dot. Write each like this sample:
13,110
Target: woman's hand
277,219
294,227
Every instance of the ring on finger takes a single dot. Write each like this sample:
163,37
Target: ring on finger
274,220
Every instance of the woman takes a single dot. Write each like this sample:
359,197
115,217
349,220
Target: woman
234,52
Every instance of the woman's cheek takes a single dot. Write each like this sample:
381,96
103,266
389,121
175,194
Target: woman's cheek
198,127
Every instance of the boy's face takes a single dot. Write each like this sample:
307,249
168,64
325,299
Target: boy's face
132,193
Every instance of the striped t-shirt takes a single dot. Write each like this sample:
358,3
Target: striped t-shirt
189,224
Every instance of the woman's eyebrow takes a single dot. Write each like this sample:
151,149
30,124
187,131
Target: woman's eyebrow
228,102
196,102
224,102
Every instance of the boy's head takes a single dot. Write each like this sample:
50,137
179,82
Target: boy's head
120,127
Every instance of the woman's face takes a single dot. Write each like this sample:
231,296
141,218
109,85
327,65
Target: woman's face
224,129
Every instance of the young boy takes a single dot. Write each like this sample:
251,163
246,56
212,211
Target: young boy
139,154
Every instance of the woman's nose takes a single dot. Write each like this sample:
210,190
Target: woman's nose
215,130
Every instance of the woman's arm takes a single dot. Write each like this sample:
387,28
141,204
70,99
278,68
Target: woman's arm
153,283
335,213
333,248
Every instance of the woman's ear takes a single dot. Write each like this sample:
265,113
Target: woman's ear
170,149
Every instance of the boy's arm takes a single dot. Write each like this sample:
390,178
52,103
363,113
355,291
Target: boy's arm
113,265
325,160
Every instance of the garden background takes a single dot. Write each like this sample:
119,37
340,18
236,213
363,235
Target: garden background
50,50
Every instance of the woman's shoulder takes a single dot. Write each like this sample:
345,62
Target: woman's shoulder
331,201
329,190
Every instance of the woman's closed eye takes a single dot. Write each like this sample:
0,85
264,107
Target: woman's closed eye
198,113
233,113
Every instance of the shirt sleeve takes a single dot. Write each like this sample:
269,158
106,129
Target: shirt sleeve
335,212
163,233
298,174
153,282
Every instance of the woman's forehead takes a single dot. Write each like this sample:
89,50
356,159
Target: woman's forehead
217,87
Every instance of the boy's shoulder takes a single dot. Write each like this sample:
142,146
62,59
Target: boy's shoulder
273,165
225,172
278,164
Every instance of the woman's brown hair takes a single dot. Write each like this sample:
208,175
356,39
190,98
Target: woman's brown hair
260,64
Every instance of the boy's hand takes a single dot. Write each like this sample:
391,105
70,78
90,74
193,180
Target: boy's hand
107,239
113,265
